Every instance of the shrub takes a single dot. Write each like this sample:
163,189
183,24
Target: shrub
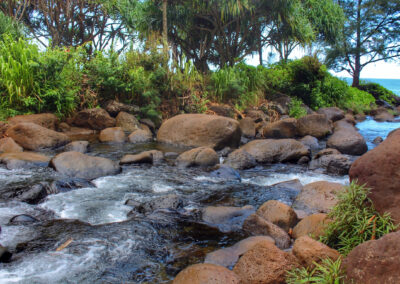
10,27
296,108
355,220
378,91
358,101
327,272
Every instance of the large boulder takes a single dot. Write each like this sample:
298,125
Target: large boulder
198,157
24,160
332,113
285,128
127,122
318,197
265,264
317,125
34,137
147,157
310,142
206,273
375,261
8,145
113,134
77,146
379,169
46,120
248,127
347,140
140,136
95,118
312,226
114,108
279,214
276,151
79,165
229,256
333,163
240,160
200,130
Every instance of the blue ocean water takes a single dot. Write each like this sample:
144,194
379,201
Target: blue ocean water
390,84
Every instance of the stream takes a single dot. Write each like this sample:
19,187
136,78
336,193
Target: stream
110,245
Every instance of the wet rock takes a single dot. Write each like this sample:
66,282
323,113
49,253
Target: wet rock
279,214
308,251
95,118
256,225
317,125
198,157
378,140
140,136
276,151
64,127
294,185
384,116
22,219
171,155
286,128
240,160
265,264
206,273
379,169
326,152
318,196
77,146
46,120
70,184
332,113
114,108
360,117
312,225
113,134
225,152
248,127
34,137
127,122
79,165
226,172
375,261
303,160
24,160
147,157
229,256
35,194
333,164
8,145
78,133
199,130
347,140
5,255
169,201
225,218
310,142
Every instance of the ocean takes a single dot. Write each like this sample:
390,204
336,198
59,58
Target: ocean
390,84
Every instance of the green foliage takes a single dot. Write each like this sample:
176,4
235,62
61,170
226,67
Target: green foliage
378,91
358,101
327,272
296,108
10,27
355,220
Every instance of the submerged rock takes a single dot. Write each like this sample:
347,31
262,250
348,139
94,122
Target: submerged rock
24,160
148,157
5,255
22,219
226,172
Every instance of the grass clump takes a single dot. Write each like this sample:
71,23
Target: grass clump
326,272
296,108
355,220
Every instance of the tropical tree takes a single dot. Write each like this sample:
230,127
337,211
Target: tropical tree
371,34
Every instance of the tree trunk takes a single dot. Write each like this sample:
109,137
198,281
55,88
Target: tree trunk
165,26
357,55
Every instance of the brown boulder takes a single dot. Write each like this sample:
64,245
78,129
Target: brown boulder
8,145
147,157
383,116
200,130
333,164
114,108
113,134
312,226
95,118
326,152
140,136
24,160
34,137
240,160
379,169
248,127
317,125
265,264
256,115
46,120
308,251
332,113
77,146
198,157
276,151
347,140
285,128
127,122
279,214
206,273
310,142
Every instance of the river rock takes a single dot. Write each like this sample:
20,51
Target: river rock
349,118
127,122
378,140
276,151
384,116
332,113
227,173
334,164
35,194
200,157
256,225
46,120
229,256
147,157
285,128
34,137
22,219
5,255
77,146
317,125
64,127
78,133
379,169
114,108
8,145
375,261
79,165
347,140
24,160
312,226
95,118
113,134
200,130
318,197
279,214
310,142
265,264
140,136
206,273
308,251
169,201
248,127
226,218
255,115
360,117
240,159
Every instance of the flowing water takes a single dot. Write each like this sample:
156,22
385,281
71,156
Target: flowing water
109,245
